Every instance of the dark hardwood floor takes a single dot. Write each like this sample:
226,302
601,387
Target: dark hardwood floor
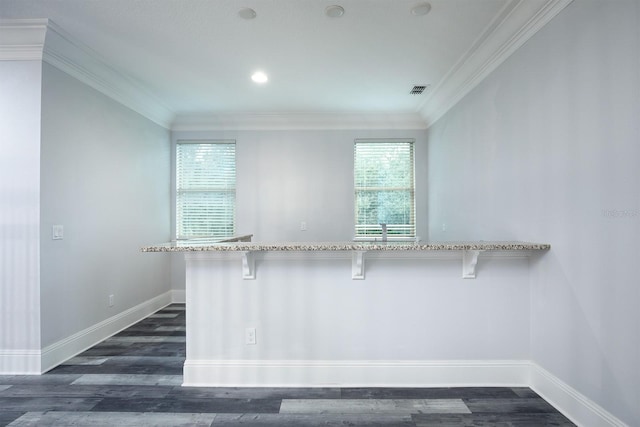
134,379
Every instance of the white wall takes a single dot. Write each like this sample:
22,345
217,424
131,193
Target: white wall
409,307
306,307
19,215
547,149
288,176
105,178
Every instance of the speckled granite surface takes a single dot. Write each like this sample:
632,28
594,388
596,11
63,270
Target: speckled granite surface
204,246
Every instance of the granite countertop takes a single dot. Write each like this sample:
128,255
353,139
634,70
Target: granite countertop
212,246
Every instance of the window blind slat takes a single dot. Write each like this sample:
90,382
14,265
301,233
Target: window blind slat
205,181
384,188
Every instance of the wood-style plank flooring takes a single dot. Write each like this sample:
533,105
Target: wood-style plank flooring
134,379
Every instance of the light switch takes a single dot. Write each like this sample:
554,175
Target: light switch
57,232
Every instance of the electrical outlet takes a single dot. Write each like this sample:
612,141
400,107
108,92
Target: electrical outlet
303,226
111,300
444,226
250,336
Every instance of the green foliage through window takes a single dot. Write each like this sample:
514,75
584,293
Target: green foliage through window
384,188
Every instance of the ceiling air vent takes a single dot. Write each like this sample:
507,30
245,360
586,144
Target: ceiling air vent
417,90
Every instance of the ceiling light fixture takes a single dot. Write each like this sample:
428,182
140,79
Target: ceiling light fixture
421,9
259,77
334,11
247,13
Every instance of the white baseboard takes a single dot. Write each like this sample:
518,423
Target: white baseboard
398,373
574,405
65,349
178,296
20,362
358,373
309,373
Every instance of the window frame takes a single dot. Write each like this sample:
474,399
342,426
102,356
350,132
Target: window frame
377,230
212,190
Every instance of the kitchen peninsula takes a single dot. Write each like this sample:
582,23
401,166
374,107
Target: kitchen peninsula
355,313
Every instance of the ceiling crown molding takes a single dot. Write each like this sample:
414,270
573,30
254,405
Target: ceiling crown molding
42,39
78,60
298,121
22,39
518,21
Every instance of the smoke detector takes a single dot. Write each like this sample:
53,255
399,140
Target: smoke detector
421,9
247,13
334,11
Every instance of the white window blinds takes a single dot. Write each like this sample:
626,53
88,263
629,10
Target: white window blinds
384,188
206,189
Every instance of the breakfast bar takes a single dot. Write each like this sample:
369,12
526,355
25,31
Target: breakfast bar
318,313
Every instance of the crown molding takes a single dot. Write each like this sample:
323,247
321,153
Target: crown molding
42,39
22,39
518,21
298,121
71,56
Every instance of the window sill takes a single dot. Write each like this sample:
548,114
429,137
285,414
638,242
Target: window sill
389,239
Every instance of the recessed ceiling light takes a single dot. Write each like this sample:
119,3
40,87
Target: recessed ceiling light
247,13
421,9
259,77
334,11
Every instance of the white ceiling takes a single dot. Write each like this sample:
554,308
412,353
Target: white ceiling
195,57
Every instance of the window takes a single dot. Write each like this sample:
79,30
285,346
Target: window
205,189
384,188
